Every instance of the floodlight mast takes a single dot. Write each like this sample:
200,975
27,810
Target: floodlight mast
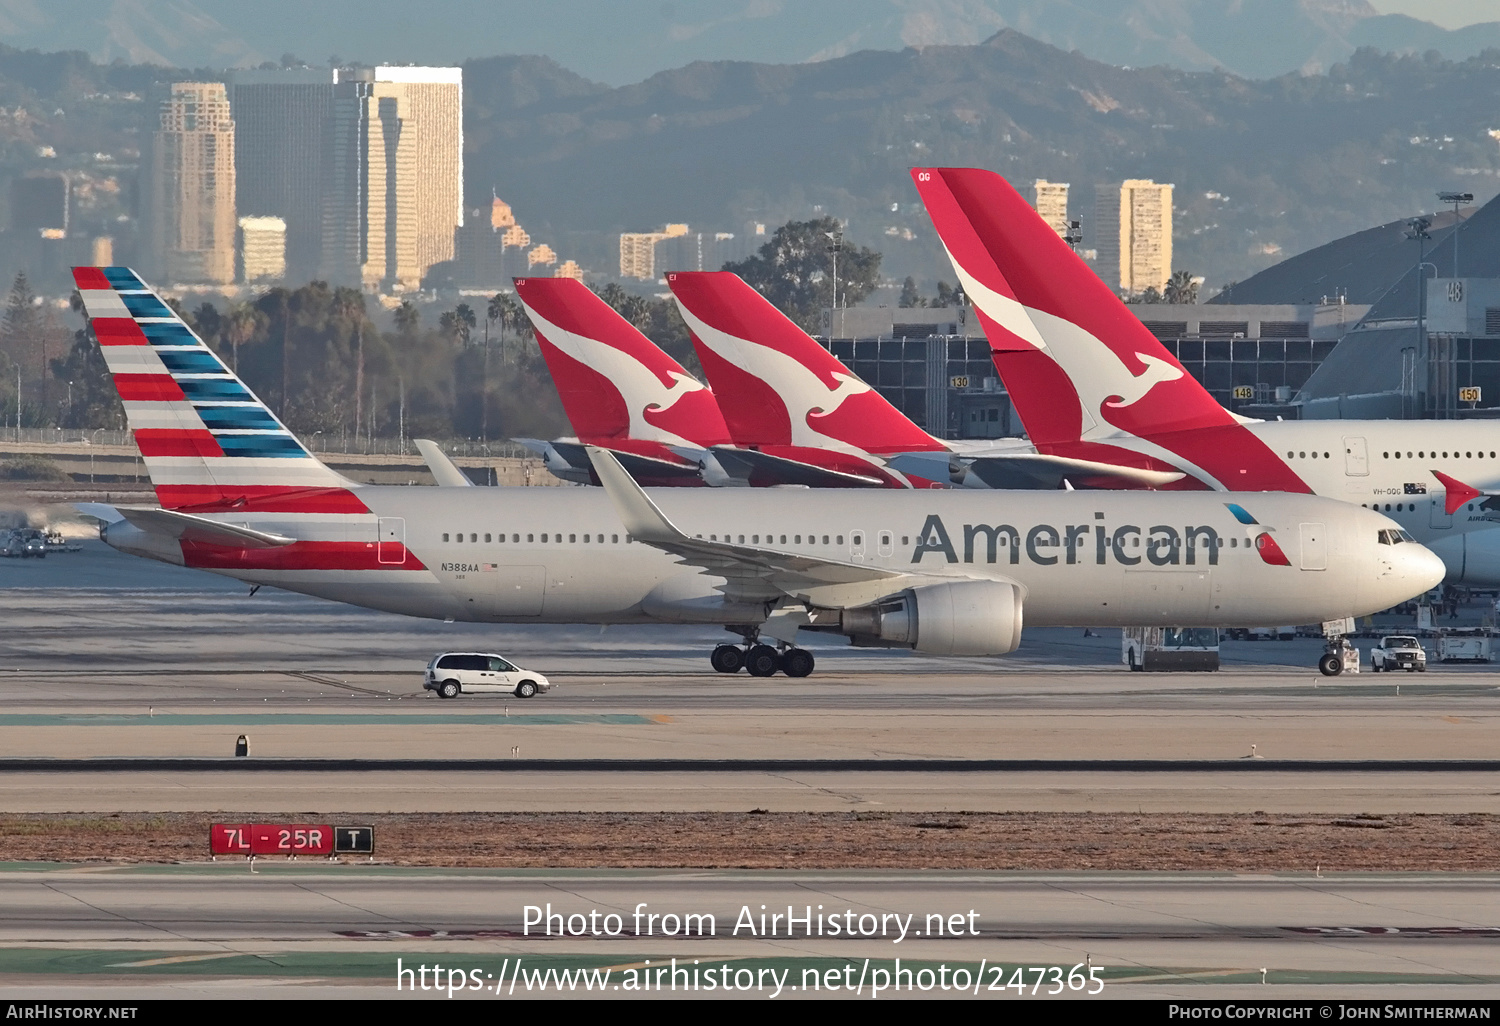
1458,199
1416,228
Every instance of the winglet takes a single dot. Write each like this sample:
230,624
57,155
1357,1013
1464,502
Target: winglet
641,517
1458,492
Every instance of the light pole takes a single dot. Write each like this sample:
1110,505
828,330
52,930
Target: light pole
837,238
1458,199
1416,229
91,442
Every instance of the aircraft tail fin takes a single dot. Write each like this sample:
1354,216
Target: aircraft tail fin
776,385
1076,362
208,443
615,383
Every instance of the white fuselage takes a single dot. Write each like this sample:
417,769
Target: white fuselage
1082,558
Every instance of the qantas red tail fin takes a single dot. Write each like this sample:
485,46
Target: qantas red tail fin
775,384
614,382
1046,311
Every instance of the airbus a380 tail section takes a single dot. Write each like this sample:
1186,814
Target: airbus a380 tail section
783,395
1082,371
618,388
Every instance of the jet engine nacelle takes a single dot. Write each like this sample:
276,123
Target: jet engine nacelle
962,618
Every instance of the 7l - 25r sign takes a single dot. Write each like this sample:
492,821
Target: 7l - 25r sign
289,839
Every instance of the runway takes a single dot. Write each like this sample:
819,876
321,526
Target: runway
142,665
118,668
295,928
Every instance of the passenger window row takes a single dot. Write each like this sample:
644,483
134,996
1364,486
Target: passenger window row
546,537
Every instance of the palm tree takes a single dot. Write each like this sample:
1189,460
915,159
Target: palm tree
349,305
463,318
241,325
1182,287
407,318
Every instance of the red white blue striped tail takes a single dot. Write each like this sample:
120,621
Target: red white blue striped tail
208,442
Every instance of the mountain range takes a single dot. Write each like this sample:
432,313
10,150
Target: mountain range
624,41
1263,168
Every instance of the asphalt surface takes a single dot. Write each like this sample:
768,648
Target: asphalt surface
105,657
294,928
125,684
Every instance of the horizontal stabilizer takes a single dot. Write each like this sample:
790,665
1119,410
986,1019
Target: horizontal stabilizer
767,469
1458,493
188,527
650,468
444,471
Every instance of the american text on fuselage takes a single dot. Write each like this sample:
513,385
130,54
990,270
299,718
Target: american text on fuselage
1128,544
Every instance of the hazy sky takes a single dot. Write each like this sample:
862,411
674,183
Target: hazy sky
1450,14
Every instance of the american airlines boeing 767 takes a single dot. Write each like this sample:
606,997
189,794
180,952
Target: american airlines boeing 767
944,572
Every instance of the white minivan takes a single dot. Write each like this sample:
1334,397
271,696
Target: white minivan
454,673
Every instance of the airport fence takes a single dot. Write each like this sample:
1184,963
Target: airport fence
318,441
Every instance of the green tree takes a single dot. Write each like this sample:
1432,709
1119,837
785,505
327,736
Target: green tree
243,323
794,270
948,295
349,307
1182,287
910,297
407,318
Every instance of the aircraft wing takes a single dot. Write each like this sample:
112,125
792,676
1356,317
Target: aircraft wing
200,529
753,573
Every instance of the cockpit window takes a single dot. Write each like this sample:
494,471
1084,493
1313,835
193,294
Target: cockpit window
1391,536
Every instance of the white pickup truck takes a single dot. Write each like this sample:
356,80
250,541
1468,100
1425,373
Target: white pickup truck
1398,652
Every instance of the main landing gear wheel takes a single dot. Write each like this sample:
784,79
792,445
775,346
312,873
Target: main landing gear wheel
762,661
1330,665
727,659
448,689
796,662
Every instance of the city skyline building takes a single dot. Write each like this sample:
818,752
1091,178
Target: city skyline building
263,246
638,251
281,118
394,175
1052,204
190,185
1133,233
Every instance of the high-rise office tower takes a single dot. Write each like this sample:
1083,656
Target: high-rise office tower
1133,230
638,251
189,186
262,249
281,118
394,174
1052,204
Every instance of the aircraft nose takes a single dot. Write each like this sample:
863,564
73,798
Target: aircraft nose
1419,566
